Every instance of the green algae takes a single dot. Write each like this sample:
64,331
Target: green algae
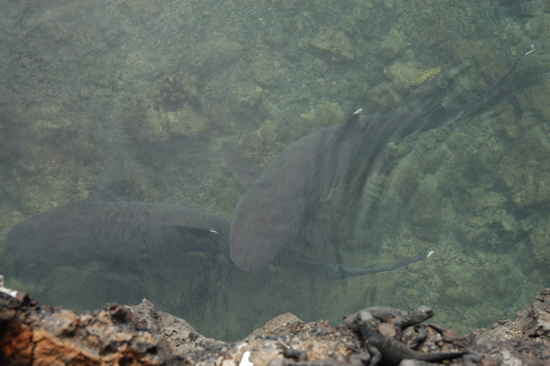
213,54
539,234
335,42
264,73
425,215
158,126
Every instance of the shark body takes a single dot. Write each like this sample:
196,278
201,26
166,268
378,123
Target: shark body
112,231
276,207
77,233
273,211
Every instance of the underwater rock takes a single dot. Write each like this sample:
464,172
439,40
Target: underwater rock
335,42
531,324
463,284
409,75
457,141
246,100
264,73
145,123
264,144
539,235
207,58
319,66
393,43
514,33
425,214
525,168
384,98
490,224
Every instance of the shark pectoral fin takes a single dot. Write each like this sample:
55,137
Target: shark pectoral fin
245,173
194,239
110,186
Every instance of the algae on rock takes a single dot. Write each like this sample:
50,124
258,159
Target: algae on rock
409,75
217,53
335,42
394,43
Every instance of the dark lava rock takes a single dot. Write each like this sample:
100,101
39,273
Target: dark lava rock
141,335
179,333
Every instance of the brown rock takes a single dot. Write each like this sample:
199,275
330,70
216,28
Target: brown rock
283,324
532,323
142,335
15,343
179,333
31,335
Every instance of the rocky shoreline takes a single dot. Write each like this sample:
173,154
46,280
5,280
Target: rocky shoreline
31,334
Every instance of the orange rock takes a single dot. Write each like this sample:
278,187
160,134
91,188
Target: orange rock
15,343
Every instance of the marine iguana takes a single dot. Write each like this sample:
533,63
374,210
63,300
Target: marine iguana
374,347
387,350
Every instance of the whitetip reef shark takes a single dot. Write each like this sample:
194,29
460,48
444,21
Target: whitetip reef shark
272,212
112,230
275,208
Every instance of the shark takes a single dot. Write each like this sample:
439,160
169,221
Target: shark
112,231
274,210
277,205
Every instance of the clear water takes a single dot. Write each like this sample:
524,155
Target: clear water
166,82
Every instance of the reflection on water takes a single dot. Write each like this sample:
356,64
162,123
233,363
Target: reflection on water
166,82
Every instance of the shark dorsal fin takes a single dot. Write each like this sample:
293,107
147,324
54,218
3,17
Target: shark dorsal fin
110,184
245,173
